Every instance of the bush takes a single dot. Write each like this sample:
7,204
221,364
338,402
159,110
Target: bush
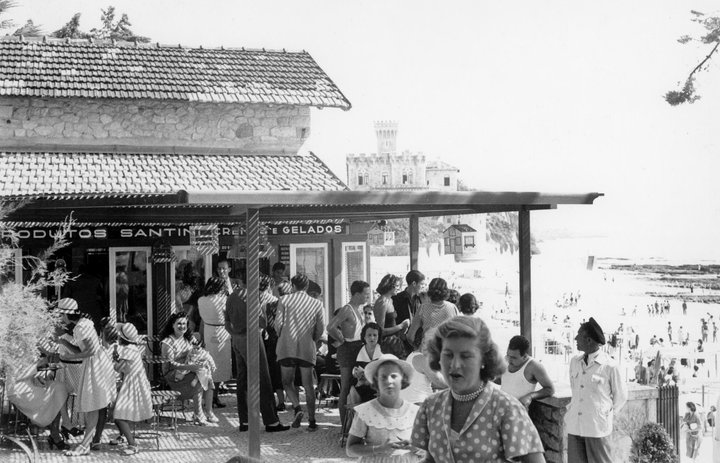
653,445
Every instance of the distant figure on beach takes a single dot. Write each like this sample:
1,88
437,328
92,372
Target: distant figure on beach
715,330
669,331
684,307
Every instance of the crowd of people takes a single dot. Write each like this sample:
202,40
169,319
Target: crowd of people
420,374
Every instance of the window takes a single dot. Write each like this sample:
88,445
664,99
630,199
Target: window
366,177
458,241
360,179
312,260
447,242
470,241
405,179
384,178
446,180
363,177
354,265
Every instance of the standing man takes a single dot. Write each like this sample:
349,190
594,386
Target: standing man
223,271
278,277
236,325
299,323
524,373
598,393
346,327
408,301
670,333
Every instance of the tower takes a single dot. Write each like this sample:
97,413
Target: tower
386,133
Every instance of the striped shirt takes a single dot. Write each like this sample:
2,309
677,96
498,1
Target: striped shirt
299,322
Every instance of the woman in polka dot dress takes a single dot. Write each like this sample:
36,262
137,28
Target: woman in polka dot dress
473,421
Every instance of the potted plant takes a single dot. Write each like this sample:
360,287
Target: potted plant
652,444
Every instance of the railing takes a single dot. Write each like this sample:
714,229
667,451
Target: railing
668,412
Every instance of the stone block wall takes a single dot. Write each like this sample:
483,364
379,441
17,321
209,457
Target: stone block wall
250,128
549,416
391,165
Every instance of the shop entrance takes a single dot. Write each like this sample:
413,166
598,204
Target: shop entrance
130,284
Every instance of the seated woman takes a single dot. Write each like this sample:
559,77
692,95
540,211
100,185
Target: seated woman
474,420
380,431
176,345
371,333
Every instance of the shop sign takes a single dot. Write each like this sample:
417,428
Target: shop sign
112,233
205,239
307,229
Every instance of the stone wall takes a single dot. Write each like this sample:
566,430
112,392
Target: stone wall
251,128
549,415
392,166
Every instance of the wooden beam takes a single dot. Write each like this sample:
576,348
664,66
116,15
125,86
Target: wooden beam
253,331
524,267
414,241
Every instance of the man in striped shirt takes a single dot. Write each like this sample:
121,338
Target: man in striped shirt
300,322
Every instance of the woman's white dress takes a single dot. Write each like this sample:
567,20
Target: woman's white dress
379,425
97,381
217,339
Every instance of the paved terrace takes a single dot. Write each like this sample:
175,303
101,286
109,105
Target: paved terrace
213,443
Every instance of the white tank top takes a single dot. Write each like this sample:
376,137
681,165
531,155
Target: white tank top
516,384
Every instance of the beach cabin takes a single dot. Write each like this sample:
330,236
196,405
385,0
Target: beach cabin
380,237
460,240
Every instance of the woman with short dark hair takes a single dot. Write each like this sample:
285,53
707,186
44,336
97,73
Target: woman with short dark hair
473,420
434,312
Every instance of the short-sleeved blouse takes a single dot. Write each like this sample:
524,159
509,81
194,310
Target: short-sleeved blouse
178,349
431,315
498,429
379,425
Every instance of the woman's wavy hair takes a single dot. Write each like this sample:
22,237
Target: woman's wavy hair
468,304
388,283
168,329
438,290
214,285
371,326
493,364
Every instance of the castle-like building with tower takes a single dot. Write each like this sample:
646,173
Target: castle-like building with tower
387,169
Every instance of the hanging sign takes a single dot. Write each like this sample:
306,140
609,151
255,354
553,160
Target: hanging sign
205,239
308,229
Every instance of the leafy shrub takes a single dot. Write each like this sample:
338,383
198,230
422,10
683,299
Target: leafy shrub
653,445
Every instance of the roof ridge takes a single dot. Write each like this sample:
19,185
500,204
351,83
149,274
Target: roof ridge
45,39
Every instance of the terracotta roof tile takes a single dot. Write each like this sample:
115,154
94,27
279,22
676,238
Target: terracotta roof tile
103,70
139,173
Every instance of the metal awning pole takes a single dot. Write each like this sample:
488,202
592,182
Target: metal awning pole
524,254
414,241
253,331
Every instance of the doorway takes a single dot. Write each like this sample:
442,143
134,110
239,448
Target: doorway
130,287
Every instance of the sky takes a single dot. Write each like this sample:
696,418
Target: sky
552,96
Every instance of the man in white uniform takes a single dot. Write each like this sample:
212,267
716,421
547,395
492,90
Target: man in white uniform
598,393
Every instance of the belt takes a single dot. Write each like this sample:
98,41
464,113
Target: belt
71,362
212,324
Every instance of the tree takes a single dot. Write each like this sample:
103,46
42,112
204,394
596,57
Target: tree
29,30
5,5
71,30
111,29
116,30
711,24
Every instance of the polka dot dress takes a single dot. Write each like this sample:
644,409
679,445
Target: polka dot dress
497,429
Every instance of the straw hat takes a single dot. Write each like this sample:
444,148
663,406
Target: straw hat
371,368
128,332
67,306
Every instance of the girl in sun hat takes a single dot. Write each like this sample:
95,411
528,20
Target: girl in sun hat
134,402
381,429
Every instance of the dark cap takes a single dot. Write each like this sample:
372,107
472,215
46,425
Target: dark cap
593,330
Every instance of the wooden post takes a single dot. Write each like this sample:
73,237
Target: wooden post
414,241
524,254
253,331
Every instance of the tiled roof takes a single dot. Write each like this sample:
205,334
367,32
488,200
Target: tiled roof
55,173
80,68
461,227
440,165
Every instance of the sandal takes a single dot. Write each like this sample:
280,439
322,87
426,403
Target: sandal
77,451
199,420
118,440
211,418
130,450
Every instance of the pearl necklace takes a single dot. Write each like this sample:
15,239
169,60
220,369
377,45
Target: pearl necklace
467,397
